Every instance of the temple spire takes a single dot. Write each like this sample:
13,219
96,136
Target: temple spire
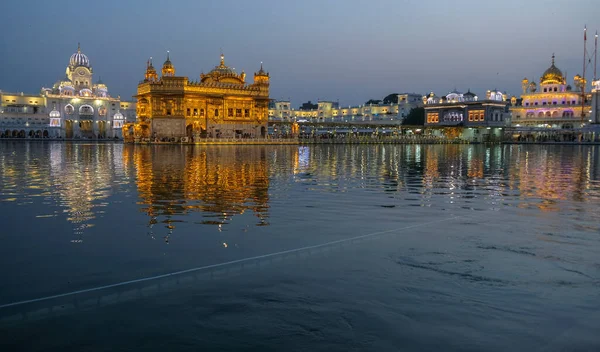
552,59
78,47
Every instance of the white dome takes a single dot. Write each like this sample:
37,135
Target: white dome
79,59
118,116
54,113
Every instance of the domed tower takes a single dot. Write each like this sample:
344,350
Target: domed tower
151,75
532,87
552,75
261,77
525,85
100,89
168,70
79,71
579,83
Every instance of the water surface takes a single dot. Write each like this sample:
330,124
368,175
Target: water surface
462,248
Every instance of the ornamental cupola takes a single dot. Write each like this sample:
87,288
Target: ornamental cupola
168,70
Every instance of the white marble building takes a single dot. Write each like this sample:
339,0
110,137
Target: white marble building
75,107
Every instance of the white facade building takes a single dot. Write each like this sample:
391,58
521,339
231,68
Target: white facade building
74,108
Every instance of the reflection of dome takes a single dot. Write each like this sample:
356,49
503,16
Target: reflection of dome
79,59
54,113
552,75
118,116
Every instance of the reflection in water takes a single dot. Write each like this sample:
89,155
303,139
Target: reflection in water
523,231
219,182
216,183
76,177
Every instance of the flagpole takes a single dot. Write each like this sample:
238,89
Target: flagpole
583,79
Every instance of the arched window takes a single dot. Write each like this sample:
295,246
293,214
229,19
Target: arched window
216,112
69,109
86,110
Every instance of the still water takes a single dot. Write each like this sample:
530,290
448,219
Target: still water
319,248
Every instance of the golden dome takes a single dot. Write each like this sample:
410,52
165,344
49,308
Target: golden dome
223,74
151,74
552,75
168,69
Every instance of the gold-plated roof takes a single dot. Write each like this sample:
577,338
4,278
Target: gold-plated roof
552,75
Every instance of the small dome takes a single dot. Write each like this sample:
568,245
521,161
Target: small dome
79,59
168,69
118,115
469,94
552,75
54,113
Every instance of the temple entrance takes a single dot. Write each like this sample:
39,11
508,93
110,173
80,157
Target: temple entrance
85,128
69,129
102,129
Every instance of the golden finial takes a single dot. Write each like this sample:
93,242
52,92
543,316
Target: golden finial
222,59
78,47
552,58
168,59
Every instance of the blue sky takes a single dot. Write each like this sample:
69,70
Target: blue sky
346,50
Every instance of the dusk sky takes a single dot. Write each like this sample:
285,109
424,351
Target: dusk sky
347,50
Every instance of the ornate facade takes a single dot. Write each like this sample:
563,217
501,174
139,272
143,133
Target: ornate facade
554,104
220,105
74,108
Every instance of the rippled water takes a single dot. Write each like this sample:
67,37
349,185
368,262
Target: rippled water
352,248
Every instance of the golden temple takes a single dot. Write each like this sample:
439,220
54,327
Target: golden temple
220,105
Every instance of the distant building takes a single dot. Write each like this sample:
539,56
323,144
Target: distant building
221,104
331,111
553,105
478,119
595,115
74,107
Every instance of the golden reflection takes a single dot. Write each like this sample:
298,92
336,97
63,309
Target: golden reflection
219,182
551,177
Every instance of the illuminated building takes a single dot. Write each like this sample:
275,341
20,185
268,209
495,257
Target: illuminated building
331,111
466,116
553,105
595,116
75,107
221,104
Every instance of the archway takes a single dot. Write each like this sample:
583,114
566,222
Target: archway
85,127
15,133
263,132
189,131
7,133
69,129
102,129
22,134
38,134
31,134
45,134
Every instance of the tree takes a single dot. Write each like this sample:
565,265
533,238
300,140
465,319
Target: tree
391,99
416,117
373,101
